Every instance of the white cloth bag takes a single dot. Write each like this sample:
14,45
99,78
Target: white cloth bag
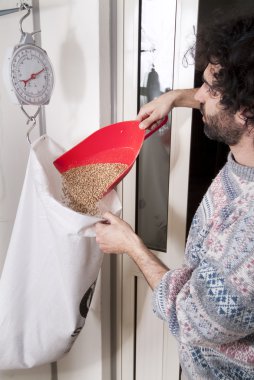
50,270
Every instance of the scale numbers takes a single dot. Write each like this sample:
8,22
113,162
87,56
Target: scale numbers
31,75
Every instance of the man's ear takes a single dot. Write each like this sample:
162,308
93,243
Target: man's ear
245,120
241,118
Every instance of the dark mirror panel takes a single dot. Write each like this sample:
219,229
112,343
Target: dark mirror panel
156,55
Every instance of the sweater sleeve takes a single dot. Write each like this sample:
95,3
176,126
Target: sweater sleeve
213,303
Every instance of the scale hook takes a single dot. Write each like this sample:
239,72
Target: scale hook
24,6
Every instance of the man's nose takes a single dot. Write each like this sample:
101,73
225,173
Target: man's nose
200,94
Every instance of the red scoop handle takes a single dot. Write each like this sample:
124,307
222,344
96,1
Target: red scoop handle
152,131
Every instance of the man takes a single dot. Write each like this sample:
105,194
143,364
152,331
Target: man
209,302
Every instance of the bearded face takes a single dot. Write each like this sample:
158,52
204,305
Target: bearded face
221,126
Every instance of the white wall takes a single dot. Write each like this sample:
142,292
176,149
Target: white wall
13,145
70,34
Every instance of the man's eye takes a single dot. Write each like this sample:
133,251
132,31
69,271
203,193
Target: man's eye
212,92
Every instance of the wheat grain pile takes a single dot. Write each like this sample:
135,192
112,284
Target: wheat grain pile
85,185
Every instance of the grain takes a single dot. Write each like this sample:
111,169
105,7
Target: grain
84,186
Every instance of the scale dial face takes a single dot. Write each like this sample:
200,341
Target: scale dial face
31,75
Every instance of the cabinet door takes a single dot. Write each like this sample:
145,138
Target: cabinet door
146,350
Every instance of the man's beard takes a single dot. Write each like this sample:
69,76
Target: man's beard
222,127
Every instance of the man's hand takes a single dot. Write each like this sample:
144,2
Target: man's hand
116,236
153,112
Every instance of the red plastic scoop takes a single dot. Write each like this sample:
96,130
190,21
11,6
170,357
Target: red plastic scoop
115,143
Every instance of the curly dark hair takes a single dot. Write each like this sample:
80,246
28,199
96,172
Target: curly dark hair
230,45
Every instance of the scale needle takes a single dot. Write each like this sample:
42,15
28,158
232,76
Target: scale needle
33,76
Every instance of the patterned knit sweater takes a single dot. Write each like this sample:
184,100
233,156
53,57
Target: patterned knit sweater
209,303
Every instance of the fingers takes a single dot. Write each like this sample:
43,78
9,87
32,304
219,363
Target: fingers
105,236
142,115
149,115
151,122
146,123
101,227
110,218
100,230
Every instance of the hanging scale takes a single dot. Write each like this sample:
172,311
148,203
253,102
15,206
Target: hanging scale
31,75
